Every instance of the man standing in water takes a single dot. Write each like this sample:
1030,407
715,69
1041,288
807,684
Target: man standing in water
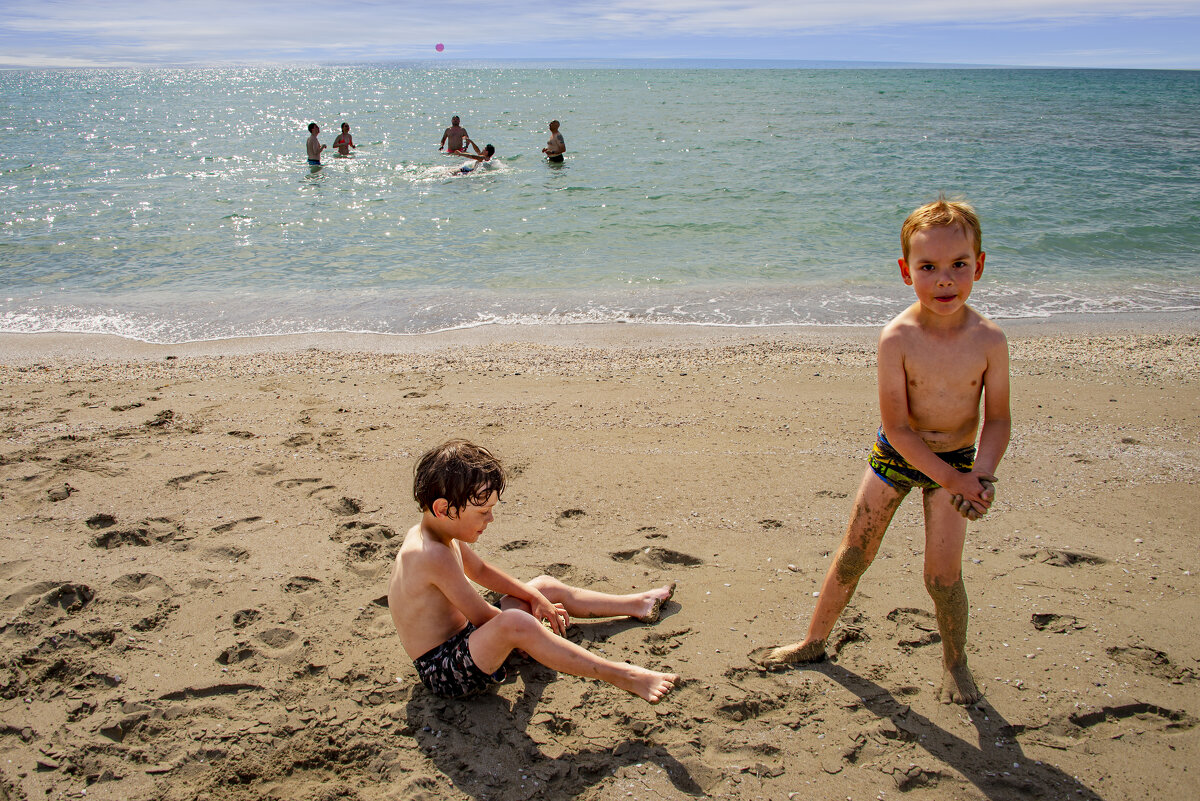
455,137
312,146
555,148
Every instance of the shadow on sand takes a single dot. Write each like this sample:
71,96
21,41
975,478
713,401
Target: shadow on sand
484,745
996,766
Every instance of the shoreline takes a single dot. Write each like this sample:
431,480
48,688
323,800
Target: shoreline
23,349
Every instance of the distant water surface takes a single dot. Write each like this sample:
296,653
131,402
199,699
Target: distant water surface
175,205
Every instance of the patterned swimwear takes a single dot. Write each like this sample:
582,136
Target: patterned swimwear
448,670
895,471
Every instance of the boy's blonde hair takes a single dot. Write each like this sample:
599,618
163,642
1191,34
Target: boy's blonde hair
942,212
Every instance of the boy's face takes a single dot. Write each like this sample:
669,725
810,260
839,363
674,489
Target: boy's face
470,521
941,267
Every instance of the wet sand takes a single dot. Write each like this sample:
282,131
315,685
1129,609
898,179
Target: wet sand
194,543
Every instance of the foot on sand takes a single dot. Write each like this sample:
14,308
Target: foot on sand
649,685
656,600
958,687
795,654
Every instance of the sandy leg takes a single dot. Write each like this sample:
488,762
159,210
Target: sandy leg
874,507
646,606
945,532
515,629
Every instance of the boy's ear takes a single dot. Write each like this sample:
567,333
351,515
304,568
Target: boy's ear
440,508
979,265
904,272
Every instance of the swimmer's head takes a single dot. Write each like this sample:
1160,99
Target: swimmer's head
554,125
491,151
313,128
345,127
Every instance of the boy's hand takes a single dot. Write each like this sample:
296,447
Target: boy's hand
554,614
971,509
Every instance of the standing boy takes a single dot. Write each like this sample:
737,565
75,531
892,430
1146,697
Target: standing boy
937,360
457,641
312,146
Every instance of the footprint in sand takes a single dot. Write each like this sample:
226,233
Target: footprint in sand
300,584
64,595
266,469
231,554
244,617
515,545
1108,723
299,440
293,483
1144,659
60,493
235,654
278,638
915,628
100,520
361,529
147,532
161,419
661,558
242,434
345,506
145,585
1055,623
1060,558
200,476
566,516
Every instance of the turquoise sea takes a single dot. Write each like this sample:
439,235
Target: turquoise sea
175,204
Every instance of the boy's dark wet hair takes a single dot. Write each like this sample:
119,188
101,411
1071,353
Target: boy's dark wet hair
459,471
491,151
311,125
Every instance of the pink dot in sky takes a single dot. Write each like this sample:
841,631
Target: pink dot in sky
439,47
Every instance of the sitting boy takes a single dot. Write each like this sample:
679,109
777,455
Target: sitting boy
458,641
937,360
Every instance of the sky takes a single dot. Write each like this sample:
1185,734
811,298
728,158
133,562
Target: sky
1053,33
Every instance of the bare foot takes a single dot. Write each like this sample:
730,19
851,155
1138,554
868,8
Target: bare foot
958,687
649,685
795,654
655,601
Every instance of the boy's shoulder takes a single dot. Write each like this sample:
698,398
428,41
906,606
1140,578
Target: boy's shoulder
908,324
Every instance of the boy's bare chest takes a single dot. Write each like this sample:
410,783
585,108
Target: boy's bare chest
943,370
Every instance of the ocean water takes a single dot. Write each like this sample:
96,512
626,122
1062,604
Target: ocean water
175,204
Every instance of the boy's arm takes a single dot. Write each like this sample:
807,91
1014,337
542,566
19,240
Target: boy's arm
997,420
497,580
448,576
893,410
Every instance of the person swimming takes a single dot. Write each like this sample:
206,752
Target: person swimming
484,156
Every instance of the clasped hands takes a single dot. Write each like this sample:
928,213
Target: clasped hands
973,510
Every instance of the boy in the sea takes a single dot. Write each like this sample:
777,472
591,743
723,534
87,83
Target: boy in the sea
937,360
312,146
457,641
344,141
481,157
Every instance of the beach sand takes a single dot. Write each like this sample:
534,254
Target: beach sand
194,543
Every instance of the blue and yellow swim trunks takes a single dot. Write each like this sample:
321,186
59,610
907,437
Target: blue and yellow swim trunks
895,471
